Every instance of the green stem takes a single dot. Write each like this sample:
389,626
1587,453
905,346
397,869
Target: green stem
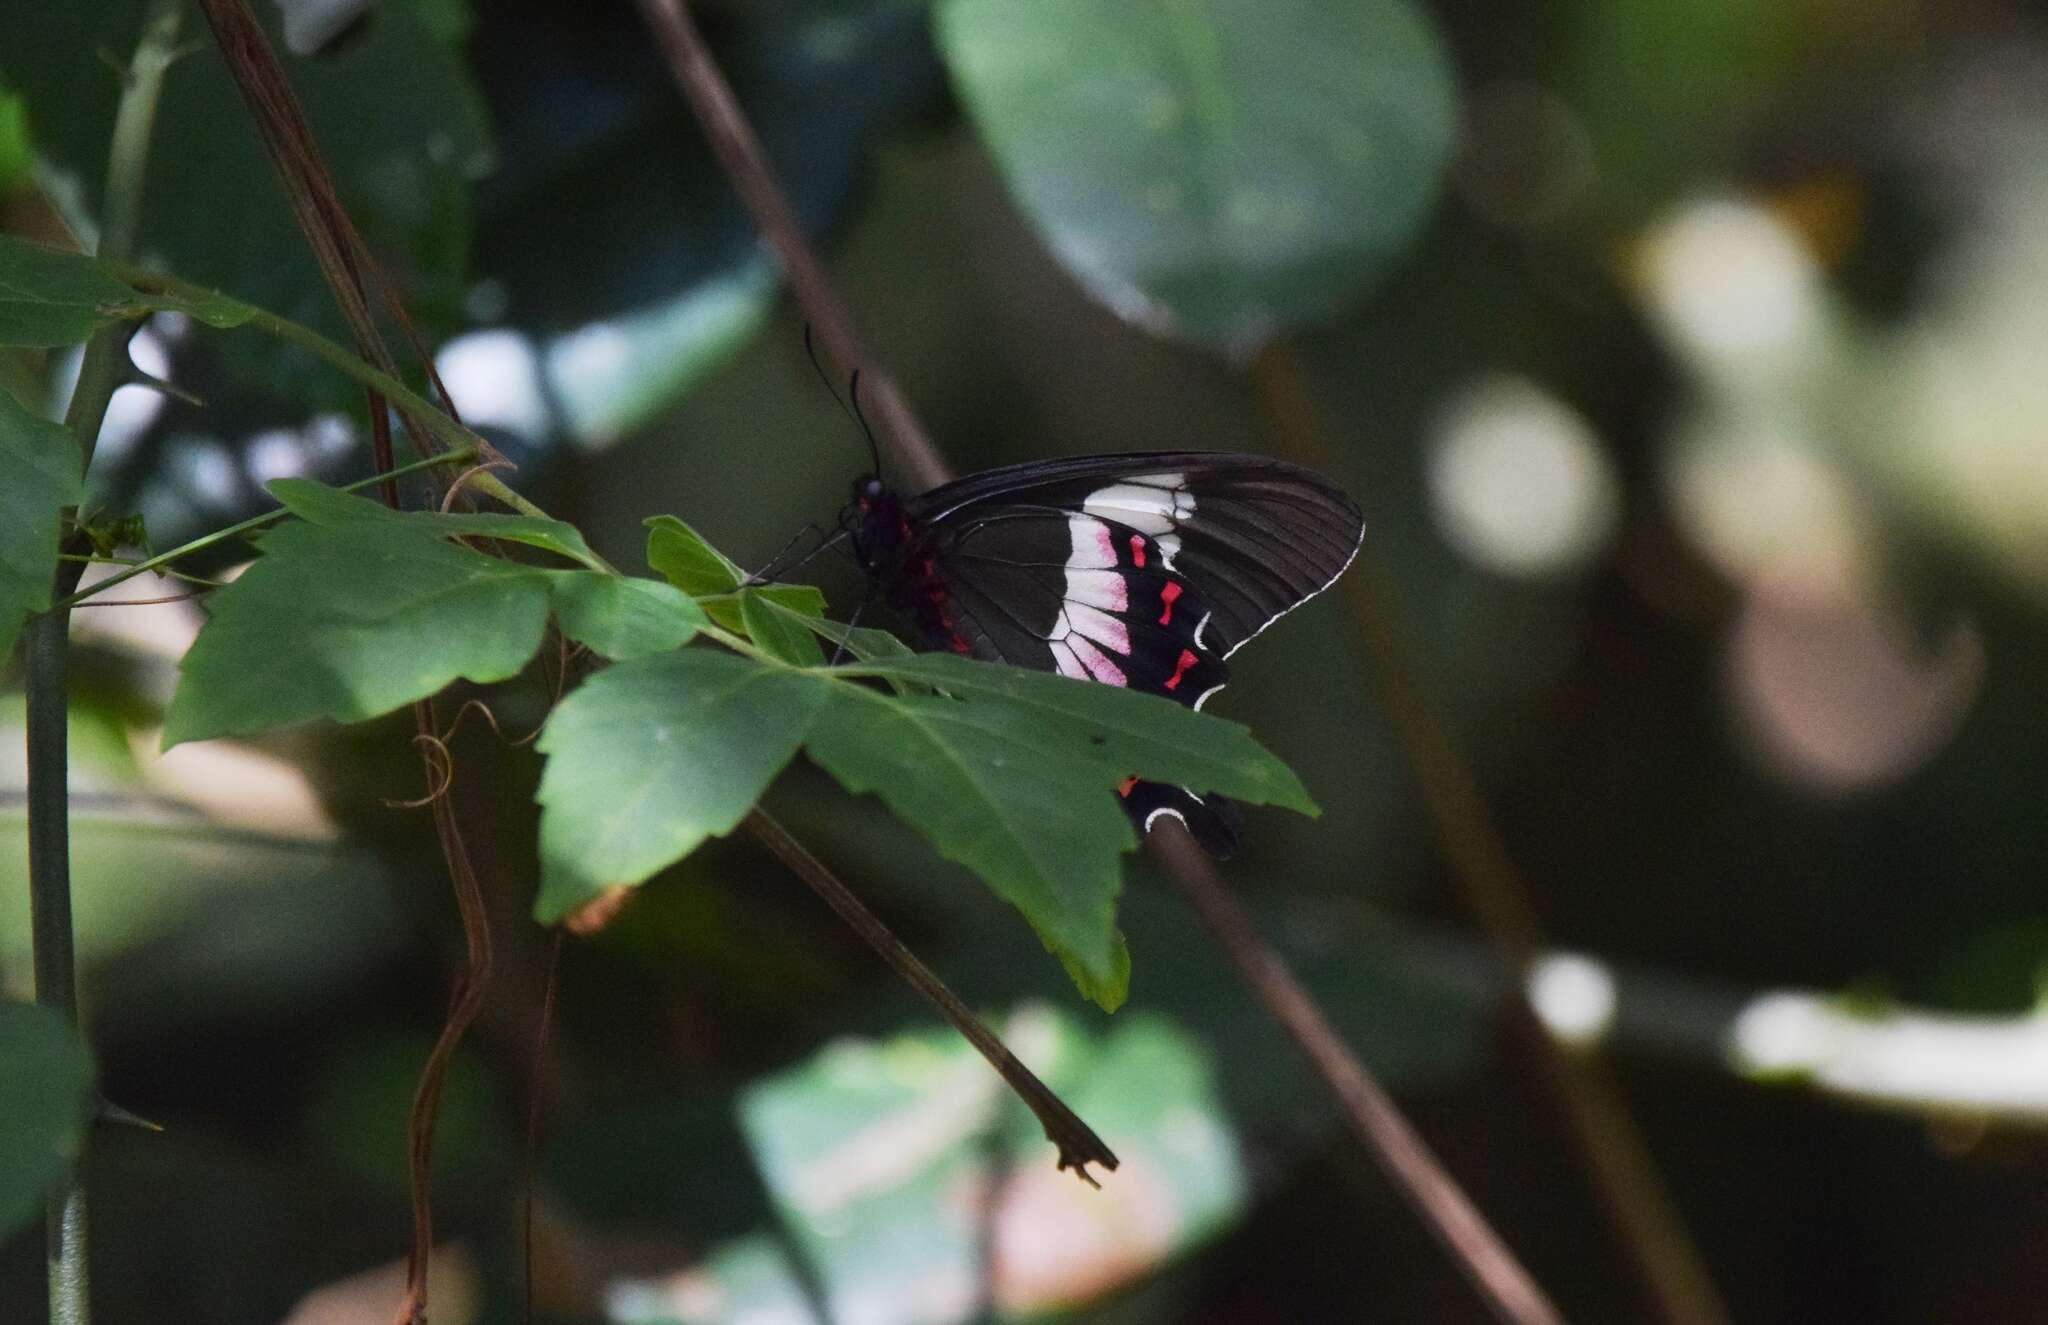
446,430
105,364
49,895
254,522
49,810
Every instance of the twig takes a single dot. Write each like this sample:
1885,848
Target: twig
1620,1164
344,261
337,246
528,1179
1078,1145
253,523
739,153
48,646
1493,1269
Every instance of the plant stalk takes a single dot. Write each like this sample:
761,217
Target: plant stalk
249,525
1619,1164
49,895
1077,1143
1514,1295
47,638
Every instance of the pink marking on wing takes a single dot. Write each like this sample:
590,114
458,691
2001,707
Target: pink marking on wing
1099,666
1108,631
1105,589
1186,660
1167,594
1090,546
1137,549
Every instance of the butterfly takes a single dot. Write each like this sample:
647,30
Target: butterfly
1146,570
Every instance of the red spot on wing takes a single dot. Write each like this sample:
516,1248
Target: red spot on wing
1186,660
1137,549
1124,788
1167,594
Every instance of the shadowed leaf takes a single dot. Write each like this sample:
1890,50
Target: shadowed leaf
39,475
1222,171
45,1093
350,622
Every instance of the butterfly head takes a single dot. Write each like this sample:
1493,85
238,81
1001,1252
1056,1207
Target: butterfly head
876,521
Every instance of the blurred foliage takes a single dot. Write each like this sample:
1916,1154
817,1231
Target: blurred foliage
1686,361
45,1100
396,115
44,466
1222,171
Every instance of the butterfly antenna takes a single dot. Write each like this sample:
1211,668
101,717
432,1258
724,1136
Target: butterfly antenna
874,451
853,412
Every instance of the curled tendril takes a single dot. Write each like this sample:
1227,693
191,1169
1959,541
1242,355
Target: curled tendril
455,488
440,764
440,759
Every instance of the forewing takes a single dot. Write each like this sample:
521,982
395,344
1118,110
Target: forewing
1254,537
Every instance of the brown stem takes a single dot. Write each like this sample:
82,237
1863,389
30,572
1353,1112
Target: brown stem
528,1178
463,1005
1078,1145
1406,1158
739,153
1623,1172
338,248
347,264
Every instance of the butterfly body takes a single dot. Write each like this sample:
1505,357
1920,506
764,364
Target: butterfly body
1145,570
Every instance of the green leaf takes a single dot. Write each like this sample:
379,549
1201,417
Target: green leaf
335,509
680,555
623,616
649,758
17,157
39,475
50,298
1147,735
864,643
883,1232
779,629
999,790
725,608
1218,170
45,1099
350,622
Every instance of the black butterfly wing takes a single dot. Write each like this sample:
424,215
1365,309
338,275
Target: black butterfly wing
1145,570
1258,536
1090,598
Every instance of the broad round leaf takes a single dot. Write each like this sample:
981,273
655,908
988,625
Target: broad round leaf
1218,170
45,1092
